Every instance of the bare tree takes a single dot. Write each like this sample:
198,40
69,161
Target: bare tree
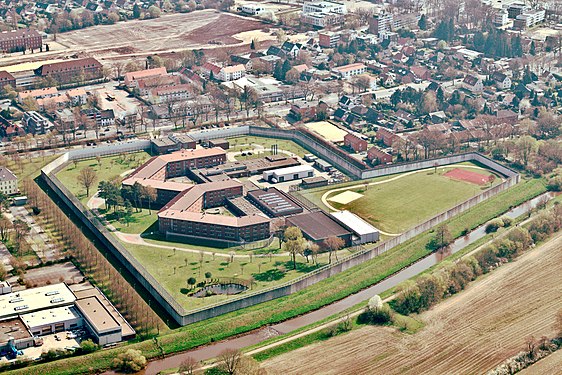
189,366
333,244
87,178
229,360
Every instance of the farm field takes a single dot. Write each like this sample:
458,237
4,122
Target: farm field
167,33
110,168
549,365
468,333
396,203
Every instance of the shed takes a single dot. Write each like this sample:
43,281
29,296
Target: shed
363,231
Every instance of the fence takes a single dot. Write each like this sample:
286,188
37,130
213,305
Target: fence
184,317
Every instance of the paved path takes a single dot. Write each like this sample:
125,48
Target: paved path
332,208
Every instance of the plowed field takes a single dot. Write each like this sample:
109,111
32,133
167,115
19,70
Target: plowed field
469,333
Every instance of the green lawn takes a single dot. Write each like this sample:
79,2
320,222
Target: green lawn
246,143
111,167
172,268
141,221
26,168
398,205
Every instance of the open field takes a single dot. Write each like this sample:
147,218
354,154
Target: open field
167,33
327,131
25,167
400,203
468,333
111,167
249,142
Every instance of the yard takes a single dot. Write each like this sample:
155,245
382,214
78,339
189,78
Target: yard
172,267
108,168
250,143
396,203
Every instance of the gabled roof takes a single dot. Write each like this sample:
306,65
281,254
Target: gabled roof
471,80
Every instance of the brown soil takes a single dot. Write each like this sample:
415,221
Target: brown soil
469,333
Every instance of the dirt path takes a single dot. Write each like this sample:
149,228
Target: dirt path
332,208
469,333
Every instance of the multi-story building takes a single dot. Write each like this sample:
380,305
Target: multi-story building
514,10
380,24
501,18
350,70
8,182
231,73
171,93
376,156
72,70
328,39
132,77
20,40
252,9
355,143
529,19
6,79
35,123
321,13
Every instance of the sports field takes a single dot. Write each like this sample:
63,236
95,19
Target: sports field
327,131
396,203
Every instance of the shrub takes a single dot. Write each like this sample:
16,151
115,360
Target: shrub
130,361
376,316
494,225
88,346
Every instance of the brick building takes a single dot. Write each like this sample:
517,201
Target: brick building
72,71
355,143
20,40
6,79
376,156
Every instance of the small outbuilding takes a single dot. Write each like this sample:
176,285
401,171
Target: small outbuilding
363,231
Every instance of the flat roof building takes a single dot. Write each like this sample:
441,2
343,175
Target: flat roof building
35,299
288,174
103,326
363,231
317,227
59,319
274,202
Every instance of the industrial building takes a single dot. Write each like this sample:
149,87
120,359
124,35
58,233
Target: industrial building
317,227
274,202
36,312
288,174
363,231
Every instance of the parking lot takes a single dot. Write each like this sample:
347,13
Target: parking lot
52,342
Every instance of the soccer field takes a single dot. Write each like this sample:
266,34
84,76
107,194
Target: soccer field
396,203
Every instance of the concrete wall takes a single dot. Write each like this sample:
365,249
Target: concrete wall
235,303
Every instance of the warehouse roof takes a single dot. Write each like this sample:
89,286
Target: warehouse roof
50,316
291,170
354,222
317,225
29,300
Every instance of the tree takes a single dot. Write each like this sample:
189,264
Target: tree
189,366
191,281
130,361
442,238
5,228
136,11
292,76
294,243
548,125
333,244
151,195
533,48
422,23
88,346
154,11
87,178
229,360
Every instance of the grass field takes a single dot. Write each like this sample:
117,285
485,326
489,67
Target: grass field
172,268
468,333
111,167
245,143
320,294
28,167
400,204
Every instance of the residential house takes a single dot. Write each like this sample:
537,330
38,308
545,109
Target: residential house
291,50
210,69
35,123
354,142
6,79
77,96
8,182
502,81
473,84
386,136
173,93
46,92
231,73
376,156
328,39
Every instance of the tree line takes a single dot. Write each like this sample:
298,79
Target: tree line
95,265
